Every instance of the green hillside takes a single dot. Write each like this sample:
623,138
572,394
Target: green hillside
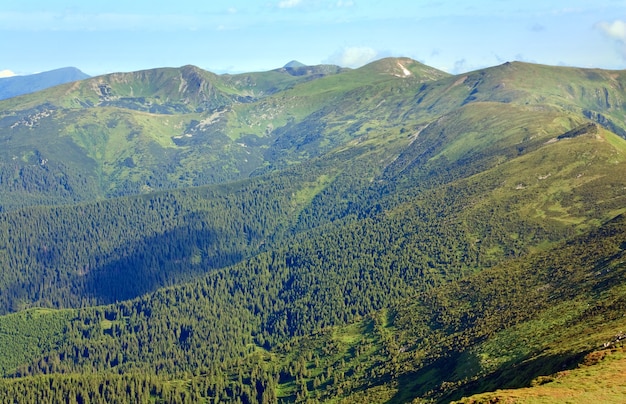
129,133
132,133
314,234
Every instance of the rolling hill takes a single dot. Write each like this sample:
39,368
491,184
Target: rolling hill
384,234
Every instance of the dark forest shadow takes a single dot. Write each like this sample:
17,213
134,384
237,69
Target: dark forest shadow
175,256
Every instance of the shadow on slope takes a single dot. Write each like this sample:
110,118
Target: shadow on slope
162,260
517,374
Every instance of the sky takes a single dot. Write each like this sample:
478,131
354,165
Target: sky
106,36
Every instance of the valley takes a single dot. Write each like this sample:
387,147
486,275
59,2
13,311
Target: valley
389,234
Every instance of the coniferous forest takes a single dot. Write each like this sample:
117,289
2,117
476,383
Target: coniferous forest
384,234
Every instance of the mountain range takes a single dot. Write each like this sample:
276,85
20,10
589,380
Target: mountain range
17,85
391,233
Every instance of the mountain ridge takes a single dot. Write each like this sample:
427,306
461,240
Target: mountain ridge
390,233
18,85
203,110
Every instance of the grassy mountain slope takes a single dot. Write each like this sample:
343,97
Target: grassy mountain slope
597,377
516,324
444,342
555,185
130,133
406,235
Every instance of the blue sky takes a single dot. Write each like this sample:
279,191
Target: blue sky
108,36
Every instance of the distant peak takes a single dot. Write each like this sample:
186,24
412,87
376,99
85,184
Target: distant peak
404,67
6,73
294,64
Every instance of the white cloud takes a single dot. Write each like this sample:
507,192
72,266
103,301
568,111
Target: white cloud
6,73
289,3
615,30
353,56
